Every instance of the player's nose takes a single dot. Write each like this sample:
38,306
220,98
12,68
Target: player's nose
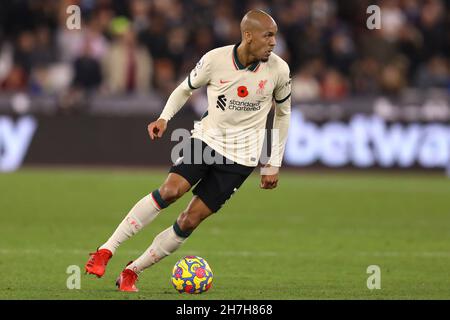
272,43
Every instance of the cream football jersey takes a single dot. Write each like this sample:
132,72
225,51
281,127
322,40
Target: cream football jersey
239,100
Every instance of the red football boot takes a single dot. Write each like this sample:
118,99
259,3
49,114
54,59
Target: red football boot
97,262
127,281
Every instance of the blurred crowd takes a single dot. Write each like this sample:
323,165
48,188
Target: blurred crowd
138,46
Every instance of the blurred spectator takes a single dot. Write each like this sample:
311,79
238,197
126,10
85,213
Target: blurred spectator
53,79
16,80
87,70
44,52
411,10
365,76
322,11
140,14
311,44
155,38
176,46
434,30
392,21
376,46
305,86
72,43
127,66
154,44
6,59
225,24
164,76
410,42
341,52
392,79
435,74
24,48
334,86
281,48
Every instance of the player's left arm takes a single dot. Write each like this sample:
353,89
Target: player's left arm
282,98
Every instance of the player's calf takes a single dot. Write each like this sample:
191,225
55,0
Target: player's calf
188,222
195,213
163,245
143,212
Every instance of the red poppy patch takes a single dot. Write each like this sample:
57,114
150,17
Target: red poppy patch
242,91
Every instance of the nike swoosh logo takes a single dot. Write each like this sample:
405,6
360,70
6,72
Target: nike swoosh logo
224,81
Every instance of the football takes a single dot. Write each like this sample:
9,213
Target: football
192,274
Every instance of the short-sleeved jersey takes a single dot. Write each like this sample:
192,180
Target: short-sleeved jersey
239,100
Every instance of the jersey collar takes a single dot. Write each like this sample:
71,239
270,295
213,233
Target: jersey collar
239,66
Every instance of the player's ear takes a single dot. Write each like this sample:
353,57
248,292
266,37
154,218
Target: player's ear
247,37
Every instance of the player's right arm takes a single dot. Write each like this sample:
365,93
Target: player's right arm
197,78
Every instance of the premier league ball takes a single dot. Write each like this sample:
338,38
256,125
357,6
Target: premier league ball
192,274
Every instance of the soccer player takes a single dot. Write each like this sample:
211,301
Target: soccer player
243,81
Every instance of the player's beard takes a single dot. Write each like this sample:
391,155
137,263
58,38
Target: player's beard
265,57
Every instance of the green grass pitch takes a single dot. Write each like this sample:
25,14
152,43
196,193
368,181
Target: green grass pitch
311,238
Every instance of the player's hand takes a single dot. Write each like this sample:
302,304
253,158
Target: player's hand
157,128
269,177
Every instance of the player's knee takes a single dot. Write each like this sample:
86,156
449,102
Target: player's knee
170,192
